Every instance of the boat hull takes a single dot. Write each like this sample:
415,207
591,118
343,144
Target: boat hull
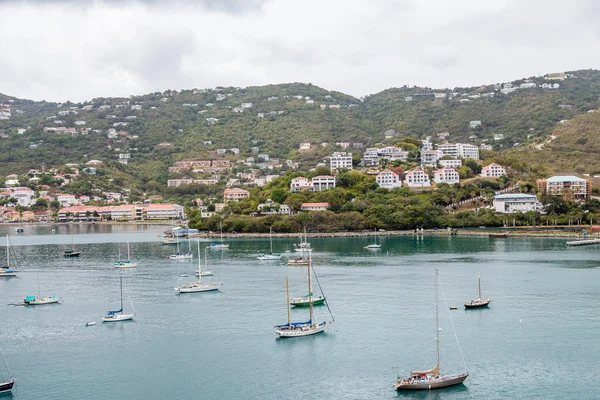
72,255
297,262
268,258
7,274
7,386
478,304
126,265
373,246
301,331
118,318
197,289
435,383
204,273
41,301
306,303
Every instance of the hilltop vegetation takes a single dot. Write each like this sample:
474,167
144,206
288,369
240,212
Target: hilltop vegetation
283,116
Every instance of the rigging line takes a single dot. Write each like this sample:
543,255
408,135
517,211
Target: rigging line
453,328
323,293
6,365
130,302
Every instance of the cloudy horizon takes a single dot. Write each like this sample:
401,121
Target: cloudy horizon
61,50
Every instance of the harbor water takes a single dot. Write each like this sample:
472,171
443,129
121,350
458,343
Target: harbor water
537,340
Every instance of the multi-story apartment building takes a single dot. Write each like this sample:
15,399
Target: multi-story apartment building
446,175
388,179
340,160
460,150
569,187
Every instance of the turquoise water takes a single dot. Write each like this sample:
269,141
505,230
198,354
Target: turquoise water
540,331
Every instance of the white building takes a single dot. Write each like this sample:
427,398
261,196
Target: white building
392,153
388,179
461,150
450,163
431,157
323,182
492,171
516,202
314,206
417,178
446,175
65,199
339,161
370,157
304,146
300,183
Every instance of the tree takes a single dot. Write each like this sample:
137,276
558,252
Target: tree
279,195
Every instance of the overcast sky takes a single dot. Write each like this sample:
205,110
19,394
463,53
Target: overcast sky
76,49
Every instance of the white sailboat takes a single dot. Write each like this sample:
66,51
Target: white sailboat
298,329
5,271
198,286
118,315
221,244
125,263
374,245
303,245
39,300
200,272
182,256
271,255
432,378
6,385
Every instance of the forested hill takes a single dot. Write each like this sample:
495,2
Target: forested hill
158,129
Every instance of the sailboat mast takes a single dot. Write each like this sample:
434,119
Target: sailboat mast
287,296
310,299
121,295
7,252
479,285
437,323
128,251
199,265
271,238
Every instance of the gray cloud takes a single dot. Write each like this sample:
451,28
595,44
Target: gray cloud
67,49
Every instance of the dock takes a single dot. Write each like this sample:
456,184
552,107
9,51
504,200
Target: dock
583,242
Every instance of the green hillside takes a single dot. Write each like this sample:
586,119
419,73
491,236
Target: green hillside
278,122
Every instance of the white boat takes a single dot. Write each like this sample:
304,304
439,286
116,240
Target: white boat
125,263
432,378
200,272
182,256
374,245
39,300
298,329
91,323
303,245
198,286
5,385
221,244
270,256
19,229
118,315
5,271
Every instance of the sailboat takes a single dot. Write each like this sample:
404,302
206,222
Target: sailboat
125,263
194,287
431,379
271,255
302,260
221,244
182,256
118,315
297,329
5,271
39,300
479,302
304,245
373,245
72,253
200,272
6,386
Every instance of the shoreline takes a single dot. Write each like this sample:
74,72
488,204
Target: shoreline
426,232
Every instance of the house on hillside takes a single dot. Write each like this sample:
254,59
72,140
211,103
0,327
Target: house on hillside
417,178
314,206
446,175
492,170
388,179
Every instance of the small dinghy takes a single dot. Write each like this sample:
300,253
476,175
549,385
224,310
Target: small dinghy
91,323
